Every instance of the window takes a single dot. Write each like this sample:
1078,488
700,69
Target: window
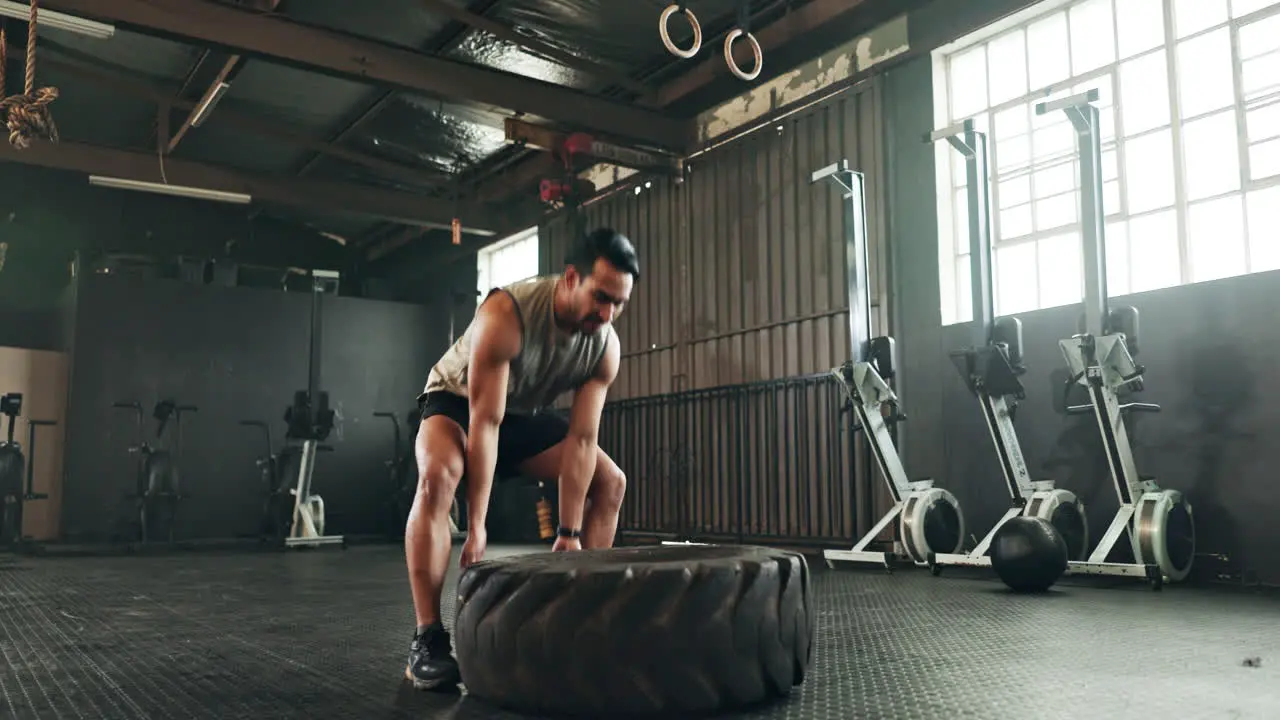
1189,100
507,261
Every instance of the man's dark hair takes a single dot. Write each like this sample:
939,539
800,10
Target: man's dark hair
604,243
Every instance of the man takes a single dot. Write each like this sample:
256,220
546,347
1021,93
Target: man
483,411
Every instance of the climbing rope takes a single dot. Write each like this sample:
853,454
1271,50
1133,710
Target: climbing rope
27,115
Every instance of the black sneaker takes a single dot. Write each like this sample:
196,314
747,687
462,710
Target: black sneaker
431,662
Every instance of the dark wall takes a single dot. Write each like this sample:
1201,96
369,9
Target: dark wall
47,216
236,353
1209,349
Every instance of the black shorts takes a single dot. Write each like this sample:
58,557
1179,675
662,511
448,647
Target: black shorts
520,437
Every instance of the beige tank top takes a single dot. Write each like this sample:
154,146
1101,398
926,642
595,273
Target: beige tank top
551,361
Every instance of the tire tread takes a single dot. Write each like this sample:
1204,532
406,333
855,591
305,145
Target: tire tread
595,635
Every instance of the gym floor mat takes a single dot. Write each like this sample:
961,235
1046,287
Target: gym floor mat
324,635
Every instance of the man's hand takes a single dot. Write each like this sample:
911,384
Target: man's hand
564,544
473,548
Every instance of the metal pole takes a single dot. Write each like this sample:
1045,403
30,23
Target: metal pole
972,144
856,259
1084,118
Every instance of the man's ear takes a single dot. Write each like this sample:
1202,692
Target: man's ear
571,277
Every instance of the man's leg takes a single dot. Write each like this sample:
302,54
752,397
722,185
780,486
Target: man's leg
440,451
604,496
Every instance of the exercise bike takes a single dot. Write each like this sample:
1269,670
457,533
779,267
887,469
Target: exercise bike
931,520
1158,522
306,426
157,478
12,464
402,479
277,478
991,368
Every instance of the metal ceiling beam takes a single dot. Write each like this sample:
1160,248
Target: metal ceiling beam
304,193
564,57
250,123
443,41
218,87
544,138
789,28
323,50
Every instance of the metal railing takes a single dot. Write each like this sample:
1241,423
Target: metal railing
769,461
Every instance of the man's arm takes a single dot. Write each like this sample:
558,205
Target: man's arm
495,341
578,462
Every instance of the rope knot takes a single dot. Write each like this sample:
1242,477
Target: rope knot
29,117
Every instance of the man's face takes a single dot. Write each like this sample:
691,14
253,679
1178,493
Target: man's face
598,298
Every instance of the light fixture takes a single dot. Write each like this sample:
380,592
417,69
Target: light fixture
60,21
209,102
163,189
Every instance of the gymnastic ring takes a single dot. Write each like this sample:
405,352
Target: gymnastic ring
666,36
755,50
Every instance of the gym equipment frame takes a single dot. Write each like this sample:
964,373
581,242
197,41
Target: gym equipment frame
1158,522
931,521
991,368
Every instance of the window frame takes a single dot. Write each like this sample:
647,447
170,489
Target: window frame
954,254
485,259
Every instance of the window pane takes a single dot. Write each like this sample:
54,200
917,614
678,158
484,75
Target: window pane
1093,42
1111,197
968,82
1260,37
1244,7
1260,76
1048,51
1144,93
1215,238
1052,141
1264,218
1211,155
964,289
1117,259
1148,172
1263,123
959,177
1141,25
1007,63
1056,212
1015,191
1204,82
1195,15
1061,281
1015,222
1055,180
1016,278
960,211
1153,248
1010,123
1264,159
1110,164
1013,153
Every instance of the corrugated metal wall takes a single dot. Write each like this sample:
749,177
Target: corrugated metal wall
743,281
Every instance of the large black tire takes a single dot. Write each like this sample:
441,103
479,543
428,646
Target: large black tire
635,631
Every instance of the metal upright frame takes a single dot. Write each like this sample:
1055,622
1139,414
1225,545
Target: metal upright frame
864,379
991,365
1100,360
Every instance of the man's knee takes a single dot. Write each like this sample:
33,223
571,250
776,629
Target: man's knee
609,485
438,481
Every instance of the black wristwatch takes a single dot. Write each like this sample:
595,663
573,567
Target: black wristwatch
565,532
